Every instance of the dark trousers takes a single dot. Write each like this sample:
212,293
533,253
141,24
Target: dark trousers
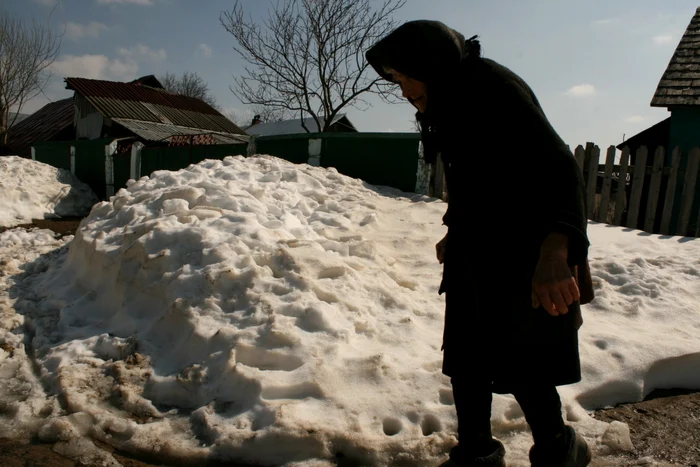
540,404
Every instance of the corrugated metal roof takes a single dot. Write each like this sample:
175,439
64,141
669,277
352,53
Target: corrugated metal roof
42,125
292,127
680,84
136,101
152,131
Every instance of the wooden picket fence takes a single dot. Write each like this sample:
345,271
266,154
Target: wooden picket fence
648,195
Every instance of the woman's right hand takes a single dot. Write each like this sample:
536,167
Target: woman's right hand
440,249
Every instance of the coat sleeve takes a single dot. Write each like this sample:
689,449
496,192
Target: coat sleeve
558,192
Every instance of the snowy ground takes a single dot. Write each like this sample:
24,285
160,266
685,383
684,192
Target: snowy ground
32,190
257,310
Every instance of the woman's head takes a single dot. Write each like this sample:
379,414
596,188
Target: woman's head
423,57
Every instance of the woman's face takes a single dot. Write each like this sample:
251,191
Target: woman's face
416,92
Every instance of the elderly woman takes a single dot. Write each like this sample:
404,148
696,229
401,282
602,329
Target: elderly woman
515,245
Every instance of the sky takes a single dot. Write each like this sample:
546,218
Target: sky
272,312
593,65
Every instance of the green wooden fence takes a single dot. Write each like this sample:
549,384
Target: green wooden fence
389,159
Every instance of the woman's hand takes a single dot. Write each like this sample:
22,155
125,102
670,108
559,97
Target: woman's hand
553,285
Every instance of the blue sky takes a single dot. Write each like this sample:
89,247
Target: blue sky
594,65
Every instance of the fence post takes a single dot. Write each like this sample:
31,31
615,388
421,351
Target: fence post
621,201
315,146
593,154
604,205
135,168
72,160
638,179
422,173
691,175
670,192
33,153
580,154
251,150
436,188
110,150
657,172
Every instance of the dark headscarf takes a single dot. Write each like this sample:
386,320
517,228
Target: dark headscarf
430,52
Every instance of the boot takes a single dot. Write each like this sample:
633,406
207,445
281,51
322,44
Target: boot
496,458
571,450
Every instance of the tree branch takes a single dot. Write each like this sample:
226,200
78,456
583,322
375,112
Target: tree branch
27,52
307,57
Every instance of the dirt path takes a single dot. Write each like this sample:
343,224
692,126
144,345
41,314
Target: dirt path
22,453
666,427
64,226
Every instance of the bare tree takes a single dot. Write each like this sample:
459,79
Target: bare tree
27,51
308,59
188,84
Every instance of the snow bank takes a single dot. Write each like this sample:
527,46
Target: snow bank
32,190
256,310
283,306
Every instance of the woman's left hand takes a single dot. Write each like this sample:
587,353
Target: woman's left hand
553,286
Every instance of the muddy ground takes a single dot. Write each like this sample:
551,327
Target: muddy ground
666,428
63,226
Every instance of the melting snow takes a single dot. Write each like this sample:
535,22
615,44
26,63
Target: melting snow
33,190
252,309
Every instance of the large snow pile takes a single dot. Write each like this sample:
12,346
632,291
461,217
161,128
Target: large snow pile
256,310
33,190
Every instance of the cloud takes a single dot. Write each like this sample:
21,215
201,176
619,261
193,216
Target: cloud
143,53
77,31
635,119
96,67
663,39
125,2
582,90
125,67
49,3
204,50
604,22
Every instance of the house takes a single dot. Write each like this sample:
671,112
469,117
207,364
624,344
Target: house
679,92
340,124
53,122
140,109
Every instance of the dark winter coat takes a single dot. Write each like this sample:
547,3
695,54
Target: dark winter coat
511,180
